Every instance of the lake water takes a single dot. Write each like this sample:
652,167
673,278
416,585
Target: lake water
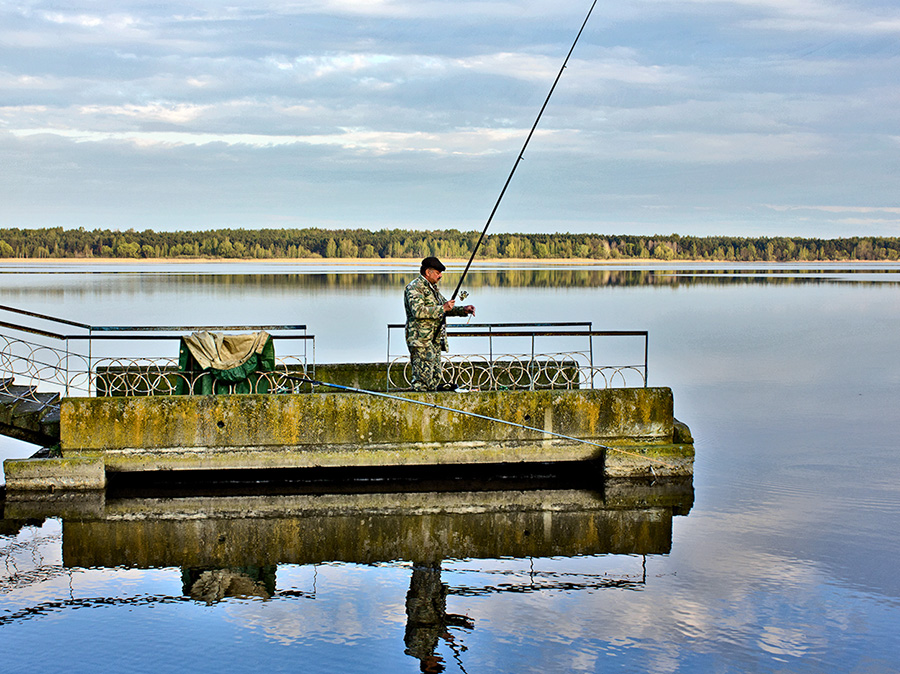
782,557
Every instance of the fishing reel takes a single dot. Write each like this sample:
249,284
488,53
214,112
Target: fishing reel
463,295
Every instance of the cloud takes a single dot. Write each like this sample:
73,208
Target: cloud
462,142
837,209
713,148
175,114
106,23
861,18
700,107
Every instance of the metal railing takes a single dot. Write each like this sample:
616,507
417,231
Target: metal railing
528,356
89,360
57,355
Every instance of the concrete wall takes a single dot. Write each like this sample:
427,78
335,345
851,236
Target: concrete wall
70,473
346,429
630,431
622,415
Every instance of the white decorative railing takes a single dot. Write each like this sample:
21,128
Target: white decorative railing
493,357
126,360
102,361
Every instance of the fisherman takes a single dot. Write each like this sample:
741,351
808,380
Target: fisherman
426,325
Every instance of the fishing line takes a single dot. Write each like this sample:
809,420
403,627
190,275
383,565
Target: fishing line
522,153
315,382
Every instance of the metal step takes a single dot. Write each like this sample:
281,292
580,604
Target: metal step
28,414
14,393
36,402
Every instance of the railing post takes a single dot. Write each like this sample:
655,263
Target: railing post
531,366
312,386
90,367
591,353
66,369
387,362
646,349
493,378
591,359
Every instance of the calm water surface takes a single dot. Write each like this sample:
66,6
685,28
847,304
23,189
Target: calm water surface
782,557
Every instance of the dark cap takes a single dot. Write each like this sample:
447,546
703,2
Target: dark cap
432,263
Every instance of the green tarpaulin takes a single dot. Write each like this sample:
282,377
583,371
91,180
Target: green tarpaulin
243,378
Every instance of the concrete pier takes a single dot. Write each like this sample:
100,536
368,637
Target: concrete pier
103,435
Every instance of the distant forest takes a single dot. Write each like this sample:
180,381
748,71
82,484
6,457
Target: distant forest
241,244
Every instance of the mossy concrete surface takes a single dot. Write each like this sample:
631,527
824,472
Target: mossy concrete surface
632,430
68,473
368,376
635,415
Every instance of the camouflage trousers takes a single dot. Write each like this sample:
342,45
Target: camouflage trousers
426,367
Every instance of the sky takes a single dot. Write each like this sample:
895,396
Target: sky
696,117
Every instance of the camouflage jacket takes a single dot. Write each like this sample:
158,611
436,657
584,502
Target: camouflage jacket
425,322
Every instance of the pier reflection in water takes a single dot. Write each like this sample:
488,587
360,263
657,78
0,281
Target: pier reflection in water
232,545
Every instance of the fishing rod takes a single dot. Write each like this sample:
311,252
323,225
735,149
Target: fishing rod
378,394
521,153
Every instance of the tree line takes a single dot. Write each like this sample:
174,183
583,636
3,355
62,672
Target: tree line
244,244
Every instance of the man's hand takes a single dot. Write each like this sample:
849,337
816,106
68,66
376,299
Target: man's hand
448,306
470,309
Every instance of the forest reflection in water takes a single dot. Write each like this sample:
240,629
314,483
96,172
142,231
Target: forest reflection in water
289,280
234,545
